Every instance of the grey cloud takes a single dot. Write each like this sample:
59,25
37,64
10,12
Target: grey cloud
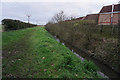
41,12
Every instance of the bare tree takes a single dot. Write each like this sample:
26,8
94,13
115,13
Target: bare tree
59,17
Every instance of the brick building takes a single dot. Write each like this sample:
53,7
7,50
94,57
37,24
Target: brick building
109,15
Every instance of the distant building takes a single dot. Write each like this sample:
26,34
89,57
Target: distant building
80,18
109,15
75,19
93,17
67,20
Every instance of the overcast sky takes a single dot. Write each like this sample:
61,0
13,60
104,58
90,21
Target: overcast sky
41,12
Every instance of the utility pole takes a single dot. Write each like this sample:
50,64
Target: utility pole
112,14
118,46
112,18
28,18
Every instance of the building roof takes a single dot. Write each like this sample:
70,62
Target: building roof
80,18
108,8
67,20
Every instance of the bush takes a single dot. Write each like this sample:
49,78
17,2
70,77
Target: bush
10,24
75,32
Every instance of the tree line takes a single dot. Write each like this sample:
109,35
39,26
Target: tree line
10,24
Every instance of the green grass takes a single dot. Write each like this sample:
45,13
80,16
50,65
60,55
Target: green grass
0,27
34,53
12,37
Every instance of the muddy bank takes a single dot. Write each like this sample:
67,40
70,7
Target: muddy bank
105,69
87,37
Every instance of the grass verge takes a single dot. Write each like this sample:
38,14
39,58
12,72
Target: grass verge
34,53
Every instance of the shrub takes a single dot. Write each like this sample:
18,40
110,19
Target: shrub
73,31
10,24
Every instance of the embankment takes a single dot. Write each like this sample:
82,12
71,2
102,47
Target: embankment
100,42
34,53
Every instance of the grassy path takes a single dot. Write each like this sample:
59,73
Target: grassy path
34,53
15,55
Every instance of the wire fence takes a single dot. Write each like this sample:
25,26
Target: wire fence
108,30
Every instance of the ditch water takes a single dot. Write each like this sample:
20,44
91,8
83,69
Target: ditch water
105,70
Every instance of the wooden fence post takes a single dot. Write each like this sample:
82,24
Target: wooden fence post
101,29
